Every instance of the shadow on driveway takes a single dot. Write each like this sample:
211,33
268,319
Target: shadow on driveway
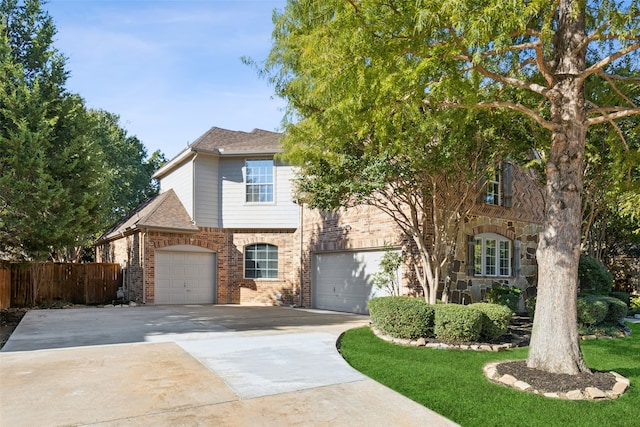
50,329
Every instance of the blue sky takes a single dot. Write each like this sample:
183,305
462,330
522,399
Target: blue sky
170,69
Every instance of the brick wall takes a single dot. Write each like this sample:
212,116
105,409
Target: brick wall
229,245
364,227
284,289
126,251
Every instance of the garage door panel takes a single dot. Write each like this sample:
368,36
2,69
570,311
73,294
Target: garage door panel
342,281
183,277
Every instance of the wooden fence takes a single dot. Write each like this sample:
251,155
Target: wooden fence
35,283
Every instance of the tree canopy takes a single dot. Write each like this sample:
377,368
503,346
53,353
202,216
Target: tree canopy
61,179
364,71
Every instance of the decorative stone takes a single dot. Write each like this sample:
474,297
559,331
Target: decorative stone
575,395
552,395
521,385
594,393
588,337
621,379
508,379
491,372
620,387
421,342
474,347
486,348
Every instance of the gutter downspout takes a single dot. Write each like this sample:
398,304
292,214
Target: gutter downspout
301,252
193,188
144,265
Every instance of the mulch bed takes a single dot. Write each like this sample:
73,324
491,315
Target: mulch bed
9,320
548,382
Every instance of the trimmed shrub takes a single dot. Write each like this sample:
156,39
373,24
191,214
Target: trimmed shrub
402,317
616,311
634,305
496,319
530,304
591,309
625,297
457,323
594,277
504,295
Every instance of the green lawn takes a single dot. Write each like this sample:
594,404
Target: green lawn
451,382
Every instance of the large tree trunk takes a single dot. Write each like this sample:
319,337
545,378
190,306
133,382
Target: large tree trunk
555,340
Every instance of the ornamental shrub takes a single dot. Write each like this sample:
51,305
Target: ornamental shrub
457,323
504,295
592,310
622,296
495,321
634,305
530,305
616,311
594,277
401,316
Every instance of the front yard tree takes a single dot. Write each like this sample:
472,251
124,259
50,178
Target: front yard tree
532,57
128,170
51,172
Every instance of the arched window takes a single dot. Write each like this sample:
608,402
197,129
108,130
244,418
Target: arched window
261,261
492,255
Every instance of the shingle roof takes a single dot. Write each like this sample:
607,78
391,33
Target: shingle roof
257,140
163,211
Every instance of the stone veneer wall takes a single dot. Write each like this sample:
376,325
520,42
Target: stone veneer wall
468,289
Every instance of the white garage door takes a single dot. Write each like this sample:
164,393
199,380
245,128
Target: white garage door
342,280
184,277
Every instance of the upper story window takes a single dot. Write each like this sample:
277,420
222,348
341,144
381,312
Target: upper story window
497,187
259,181
493,193
261,261
492,255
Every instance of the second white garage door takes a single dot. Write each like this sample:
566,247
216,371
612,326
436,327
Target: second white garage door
342,280
185,277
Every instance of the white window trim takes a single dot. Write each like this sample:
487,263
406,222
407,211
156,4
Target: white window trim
497,181
480,244
273,181
244,262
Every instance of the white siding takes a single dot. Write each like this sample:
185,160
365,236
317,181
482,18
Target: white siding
206,192
236,213
181,180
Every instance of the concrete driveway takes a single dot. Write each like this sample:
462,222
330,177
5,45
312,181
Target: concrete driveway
192,366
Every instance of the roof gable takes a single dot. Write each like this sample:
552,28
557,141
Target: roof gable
163,211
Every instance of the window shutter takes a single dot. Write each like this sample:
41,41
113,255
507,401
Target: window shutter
482,190
516,258
471,261
507,185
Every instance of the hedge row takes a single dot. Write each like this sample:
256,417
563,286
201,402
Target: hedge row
597,309
411,318
593,309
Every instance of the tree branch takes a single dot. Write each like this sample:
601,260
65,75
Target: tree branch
501,104
608,60
612,116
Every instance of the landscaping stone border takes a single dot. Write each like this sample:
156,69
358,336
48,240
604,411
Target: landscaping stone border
425,342
589,393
